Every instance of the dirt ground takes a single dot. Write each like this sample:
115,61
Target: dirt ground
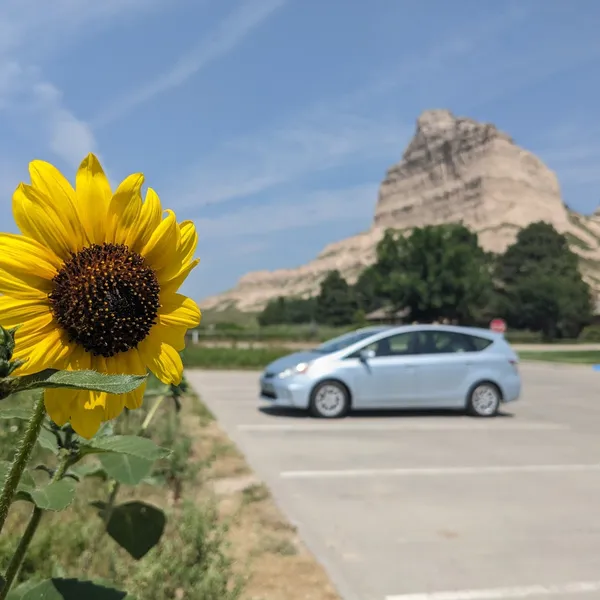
265,544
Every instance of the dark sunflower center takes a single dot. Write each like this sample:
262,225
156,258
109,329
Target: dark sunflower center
106,298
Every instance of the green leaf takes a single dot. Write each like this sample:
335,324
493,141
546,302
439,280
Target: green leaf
27,482
18,592
88,470
48,441
68,589
80,380
55,496
132,445
137,527
126,468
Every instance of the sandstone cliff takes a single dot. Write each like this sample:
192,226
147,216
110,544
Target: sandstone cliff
454,169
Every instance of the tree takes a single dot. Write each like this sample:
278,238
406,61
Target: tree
335,304
282,310
438,271
367,290
539,284
274,312
300,310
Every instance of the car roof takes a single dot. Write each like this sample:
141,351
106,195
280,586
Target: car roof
476,331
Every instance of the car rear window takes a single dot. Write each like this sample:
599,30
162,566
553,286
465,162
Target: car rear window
446,342
480,343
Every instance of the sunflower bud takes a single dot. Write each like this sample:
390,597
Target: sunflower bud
7,343
7,347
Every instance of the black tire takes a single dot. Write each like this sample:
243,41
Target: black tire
484,400
338,399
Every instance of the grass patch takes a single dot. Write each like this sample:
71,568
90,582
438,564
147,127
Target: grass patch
583,357
255,493
206,357
276,545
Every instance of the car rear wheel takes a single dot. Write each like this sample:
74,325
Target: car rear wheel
484,400
329,400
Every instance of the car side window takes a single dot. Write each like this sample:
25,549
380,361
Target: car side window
401,344
451,342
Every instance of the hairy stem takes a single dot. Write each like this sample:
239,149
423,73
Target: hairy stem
9,487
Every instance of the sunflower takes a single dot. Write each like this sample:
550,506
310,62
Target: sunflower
92,284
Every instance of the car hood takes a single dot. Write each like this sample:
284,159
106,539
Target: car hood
291,360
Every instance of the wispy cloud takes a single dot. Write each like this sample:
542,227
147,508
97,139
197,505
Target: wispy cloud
258,164
30,30
28,25
231,32
38,109
307,210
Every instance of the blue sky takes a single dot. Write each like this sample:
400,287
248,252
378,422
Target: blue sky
272,122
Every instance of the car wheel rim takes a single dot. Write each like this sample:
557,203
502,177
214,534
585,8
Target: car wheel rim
330,400
485,400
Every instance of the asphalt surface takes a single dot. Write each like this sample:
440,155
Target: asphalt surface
432,506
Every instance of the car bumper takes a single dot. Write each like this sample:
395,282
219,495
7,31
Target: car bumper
291,392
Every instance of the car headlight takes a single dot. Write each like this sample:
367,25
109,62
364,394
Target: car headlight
299,369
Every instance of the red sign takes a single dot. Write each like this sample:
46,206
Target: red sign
498,325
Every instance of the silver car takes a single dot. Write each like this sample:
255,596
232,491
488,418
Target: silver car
412,366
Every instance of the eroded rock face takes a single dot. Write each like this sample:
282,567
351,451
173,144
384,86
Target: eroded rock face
454,169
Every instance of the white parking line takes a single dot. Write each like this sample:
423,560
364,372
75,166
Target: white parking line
401,426
428,471
579,587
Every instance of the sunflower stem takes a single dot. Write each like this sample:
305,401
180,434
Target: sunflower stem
36,517
9,487
151,413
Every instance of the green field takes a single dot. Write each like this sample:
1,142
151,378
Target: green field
583,357
203,357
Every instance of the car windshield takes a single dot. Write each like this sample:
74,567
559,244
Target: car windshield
343,341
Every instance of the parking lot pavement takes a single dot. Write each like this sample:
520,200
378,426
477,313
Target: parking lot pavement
409,506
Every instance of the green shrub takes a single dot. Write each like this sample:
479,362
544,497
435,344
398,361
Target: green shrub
193,556
590,334
231,358
196,560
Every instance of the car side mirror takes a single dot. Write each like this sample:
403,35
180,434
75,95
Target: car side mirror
365,355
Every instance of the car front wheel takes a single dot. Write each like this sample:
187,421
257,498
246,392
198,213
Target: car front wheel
330,400
484,400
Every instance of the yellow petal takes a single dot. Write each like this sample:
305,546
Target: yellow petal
93,198
87,413
78,360
42,345
114,404
128,363
52,184
170,286
173,336
21,256
59,404
189,241
45,221
124,209
135,399
162,359
149,219
15,311
179,311
25,287
163,245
